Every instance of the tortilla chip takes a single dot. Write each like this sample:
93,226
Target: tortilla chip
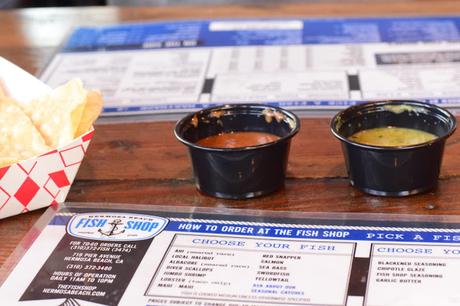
6,161
58,114
93,108
2,90
19,138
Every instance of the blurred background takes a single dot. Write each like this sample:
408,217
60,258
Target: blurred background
10,4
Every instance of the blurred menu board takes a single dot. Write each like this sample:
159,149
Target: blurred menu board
139,255
298,64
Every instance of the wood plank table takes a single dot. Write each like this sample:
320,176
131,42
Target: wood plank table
142,163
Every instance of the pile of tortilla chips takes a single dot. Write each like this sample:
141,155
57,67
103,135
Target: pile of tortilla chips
45,123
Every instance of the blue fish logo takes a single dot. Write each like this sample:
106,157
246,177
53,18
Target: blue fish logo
115,226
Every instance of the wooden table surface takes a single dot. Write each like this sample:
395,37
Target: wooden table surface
142,163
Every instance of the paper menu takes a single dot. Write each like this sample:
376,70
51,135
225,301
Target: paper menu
139,255
309,64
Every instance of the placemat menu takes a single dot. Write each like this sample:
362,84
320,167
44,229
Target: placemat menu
304,64
121,255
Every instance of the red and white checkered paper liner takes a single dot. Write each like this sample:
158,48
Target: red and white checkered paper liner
41,181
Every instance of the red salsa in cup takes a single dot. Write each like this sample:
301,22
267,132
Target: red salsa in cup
237,139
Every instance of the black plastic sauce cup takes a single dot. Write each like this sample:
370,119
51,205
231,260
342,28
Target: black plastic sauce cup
239,173
393,171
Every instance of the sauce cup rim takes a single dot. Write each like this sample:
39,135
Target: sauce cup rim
448,115
188,117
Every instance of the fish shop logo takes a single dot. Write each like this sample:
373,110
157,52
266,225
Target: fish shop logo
115,226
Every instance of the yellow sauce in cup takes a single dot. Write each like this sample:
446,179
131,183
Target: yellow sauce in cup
391,137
